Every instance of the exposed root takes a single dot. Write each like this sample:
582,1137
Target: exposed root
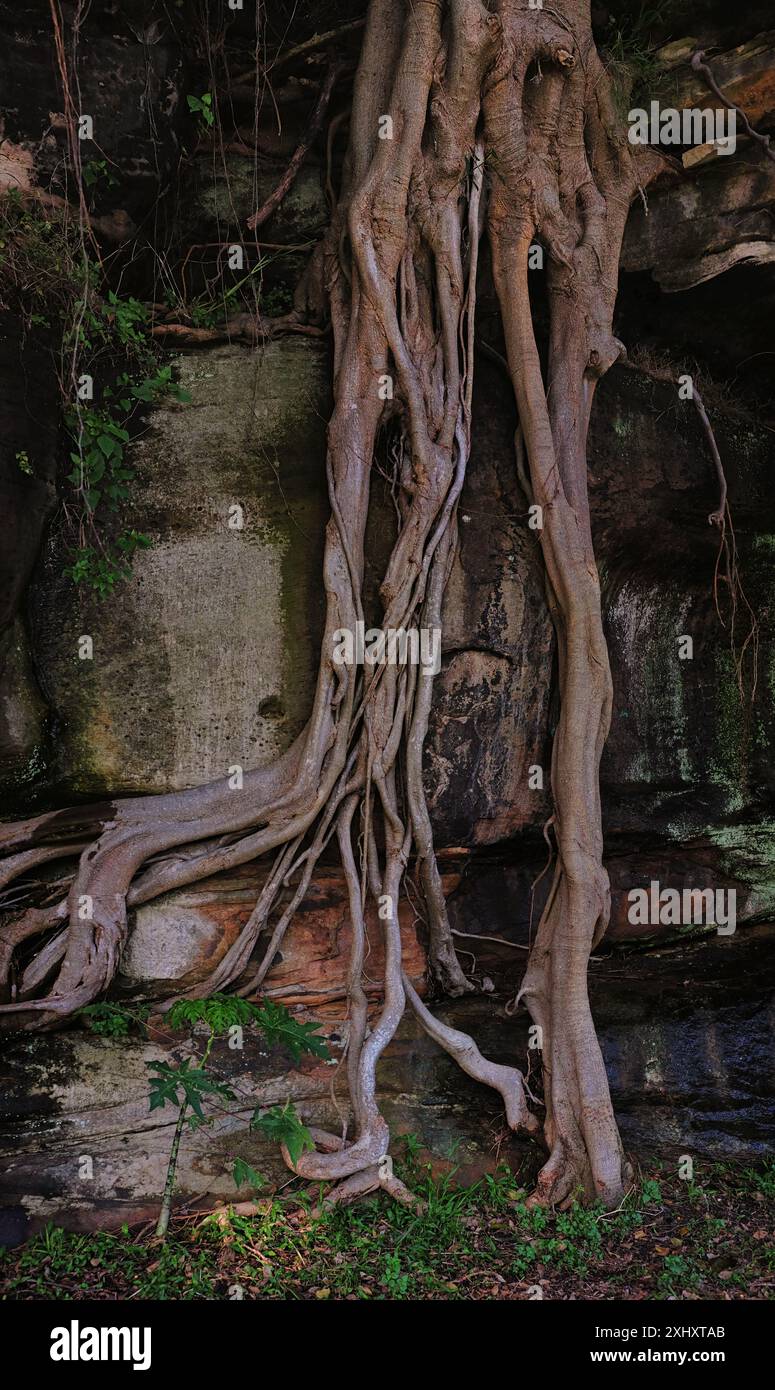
370,1180
475,145
699,65
239,328
726,568
508,1081
313,129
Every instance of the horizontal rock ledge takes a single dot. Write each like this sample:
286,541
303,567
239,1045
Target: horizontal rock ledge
687,1035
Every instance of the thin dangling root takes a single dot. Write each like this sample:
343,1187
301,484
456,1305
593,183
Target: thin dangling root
508,1081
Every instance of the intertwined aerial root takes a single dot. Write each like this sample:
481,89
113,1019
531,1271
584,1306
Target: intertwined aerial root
500,119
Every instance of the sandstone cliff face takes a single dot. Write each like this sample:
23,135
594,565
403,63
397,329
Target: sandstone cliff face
206,657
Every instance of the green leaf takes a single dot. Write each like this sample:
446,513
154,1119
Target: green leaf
280,1027
224,1011
220,1012
202,106
164,1087
283,1125
106,1020
143,392
243,1173
130,541
193,1081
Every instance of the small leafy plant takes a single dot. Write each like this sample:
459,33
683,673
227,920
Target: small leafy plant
110,370
103,569
243,1173
189,1086
202,107
100,474
114,1020
282,1124
629,51
97,177
185,1086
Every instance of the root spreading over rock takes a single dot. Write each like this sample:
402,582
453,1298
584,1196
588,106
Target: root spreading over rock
467,122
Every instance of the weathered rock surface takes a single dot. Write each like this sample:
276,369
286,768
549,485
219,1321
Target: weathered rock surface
745,74
696,228
29,396
185,934
130,75
205,658
687,1036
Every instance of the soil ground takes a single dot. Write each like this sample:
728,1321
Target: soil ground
711,1237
